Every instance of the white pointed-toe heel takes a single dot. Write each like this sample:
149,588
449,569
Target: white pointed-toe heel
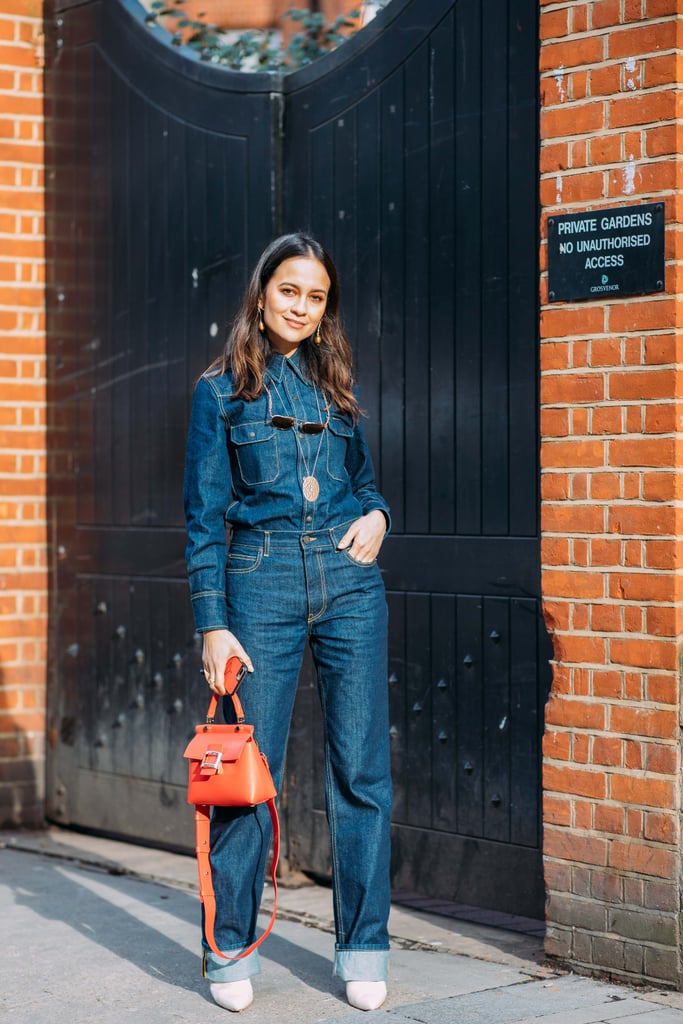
233,995
366,995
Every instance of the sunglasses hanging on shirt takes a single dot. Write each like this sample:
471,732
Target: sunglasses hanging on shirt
287,422
309,483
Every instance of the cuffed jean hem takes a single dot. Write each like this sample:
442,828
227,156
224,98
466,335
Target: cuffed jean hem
361,964
218,970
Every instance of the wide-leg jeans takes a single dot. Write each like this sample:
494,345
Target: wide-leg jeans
284,589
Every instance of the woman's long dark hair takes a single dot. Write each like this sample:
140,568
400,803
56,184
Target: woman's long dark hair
247,350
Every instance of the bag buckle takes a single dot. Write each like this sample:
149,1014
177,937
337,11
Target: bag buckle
211,761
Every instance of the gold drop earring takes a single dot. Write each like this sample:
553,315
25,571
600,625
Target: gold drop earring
318,336
261,325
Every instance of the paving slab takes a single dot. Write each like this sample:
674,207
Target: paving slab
98,930
80,944
306,903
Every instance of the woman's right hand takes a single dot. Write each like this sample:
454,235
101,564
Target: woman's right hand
219,646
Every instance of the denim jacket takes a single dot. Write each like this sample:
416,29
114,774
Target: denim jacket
243,472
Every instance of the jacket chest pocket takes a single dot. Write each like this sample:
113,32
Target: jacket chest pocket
340,431
256,452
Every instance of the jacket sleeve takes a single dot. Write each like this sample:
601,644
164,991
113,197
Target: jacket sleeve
362,474
207,493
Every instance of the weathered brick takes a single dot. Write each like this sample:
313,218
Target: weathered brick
565,844
608,952
648,792
634,958
605,13
650,860
607,888
558,941
608,818
661,896
588,50
662,964
575,780
556,811
575,912
579,714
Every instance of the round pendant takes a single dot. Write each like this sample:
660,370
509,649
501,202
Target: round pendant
311,488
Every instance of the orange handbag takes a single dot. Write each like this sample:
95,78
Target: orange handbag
227,769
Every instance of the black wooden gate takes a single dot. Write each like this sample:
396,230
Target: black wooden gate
411,153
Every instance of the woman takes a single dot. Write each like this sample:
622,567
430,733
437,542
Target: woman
277,452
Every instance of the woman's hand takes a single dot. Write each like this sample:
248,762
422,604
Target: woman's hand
364,537
219,646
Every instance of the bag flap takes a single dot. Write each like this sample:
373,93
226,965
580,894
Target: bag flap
230,741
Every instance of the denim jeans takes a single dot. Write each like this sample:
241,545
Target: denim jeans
283,589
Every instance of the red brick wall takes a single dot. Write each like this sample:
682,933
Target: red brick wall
23,582
611,417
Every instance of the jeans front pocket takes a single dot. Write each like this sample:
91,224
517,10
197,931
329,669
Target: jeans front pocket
354,561
243,558
255,447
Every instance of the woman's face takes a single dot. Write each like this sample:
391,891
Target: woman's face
294,301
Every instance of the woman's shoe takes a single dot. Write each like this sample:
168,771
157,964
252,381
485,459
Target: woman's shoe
233,995
366,995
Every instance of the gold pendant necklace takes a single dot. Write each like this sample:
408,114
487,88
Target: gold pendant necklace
310,487
309,484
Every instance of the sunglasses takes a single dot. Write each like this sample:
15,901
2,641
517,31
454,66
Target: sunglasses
287,422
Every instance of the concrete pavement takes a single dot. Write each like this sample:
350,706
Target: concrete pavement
96,930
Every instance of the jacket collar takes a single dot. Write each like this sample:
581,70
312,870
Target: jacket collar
278,364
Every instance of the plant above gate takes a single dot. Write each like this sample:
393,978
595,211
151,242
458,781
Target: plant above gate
258,49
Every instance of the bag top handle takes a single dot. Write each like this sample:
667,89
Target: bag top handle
235,671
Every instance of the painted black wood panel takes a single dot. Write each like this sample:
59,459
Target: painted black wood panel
414,158
159,198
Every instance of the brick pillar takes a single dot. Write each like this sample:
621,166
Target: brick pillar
23,582
611,419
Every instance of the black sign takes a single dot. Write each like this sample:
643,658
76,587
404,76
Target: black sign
606,253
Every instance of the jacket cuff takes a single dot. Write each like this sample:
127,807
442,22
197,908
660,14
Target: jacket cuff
210,611
379,507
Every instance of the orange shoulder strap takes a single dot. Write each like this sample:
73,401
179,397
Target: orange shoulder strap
207,896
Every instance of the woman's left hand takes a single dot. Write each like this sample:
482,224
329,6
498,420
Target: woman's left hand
364,537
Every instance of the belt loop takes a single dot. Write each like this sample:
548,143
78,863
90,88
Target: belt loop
266,543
